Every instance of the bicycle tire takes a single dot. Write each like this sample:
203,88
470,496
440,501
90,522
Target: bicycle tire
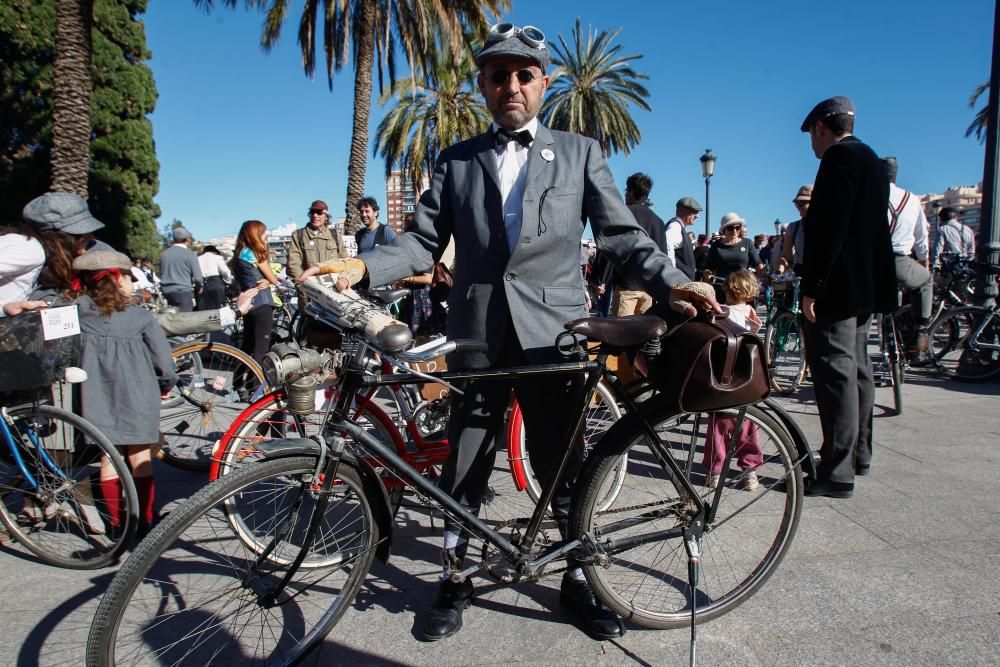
269,419
957,358
69,524
786,358
181,595
602,413
740,549
229,382
894,352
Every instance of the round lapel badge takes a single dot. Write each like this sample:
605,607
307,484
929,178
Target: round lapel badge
548,155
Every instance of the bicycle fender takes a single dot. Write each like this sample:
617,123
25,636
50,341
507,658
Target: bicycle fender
805,453
373,487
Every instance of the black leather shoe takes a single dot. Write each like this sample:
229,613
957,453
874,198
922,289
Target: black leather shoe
445,618
862,469
598,620
815,487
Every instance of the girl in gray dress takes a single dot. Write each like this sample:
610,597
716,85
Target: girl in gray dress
128,363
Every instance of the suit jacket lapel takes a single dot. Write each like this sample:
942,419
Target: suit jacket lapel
537,165
486,154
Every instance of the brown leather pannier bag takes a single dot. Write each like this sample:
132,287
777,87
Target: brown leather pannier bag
705,366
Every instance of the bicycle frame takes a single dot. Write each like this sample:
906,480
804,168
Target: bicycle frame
5,423
593,371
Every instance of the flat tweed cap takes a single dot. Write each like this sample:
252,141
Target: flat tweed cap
99,260
689,203
512,47
61,211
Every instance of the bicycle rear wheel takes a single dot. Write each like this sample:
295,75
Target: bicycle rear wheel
49,499
229,380
894,355
647,581
786,359
194,594
961,354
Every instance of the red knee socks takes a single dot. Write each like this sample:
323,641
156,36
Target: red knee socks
146,489
111,492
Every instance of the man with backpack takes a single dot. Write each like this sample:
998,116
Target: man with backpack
372,233
314,244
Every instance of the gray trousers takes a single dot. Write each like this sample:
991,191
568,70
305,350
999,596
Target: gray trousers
182,300
837,352
912,275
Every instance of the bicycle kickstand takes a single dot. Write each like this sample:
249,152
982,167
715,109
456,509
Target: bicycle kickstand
692,544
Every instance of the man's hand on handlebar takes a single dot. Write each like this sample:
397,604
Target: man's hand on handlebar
350,272
696,298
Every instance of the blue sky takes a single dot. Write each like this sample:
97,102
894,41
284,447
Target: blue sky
242,134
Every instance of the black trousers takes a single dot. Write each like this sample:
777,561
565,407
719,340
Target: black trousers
547,404
257,325
837,352
182,300
213,294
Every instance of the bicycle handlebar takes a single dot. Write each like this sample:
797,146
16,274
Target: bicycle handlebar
348,310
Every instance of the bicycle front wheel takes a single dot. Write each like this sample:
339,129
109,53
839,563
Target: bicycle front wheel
759,503
194,594
49,497
786,359
215,390
964,347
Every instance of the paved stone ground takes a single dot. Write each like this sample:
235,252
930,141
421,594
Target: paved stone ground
905,573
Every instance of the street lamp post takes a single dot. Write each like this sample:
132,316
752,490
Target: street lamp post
707,169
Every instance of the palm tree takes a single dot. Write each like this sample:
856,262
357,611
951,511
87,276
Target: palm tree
431,113
71,83
375,29
591,89
978,124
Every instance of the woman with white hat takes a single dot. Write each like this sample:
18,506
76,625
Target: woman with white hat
732,252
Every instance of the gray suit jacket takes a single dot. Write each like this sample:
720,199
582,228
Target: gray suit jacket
540,282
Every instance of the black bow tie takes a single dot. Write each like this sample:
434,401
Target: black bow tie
503,137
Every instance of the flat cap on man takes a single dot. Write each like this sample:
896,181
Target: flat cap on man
827,108
181,234
319,205
512,47
690,203
61,211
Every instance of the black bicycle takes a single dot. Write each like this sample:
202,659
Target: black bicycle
260,565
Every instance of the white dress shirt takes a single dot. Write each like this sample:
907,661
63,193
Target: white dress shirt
213,265
675,237
955,237
512,161
909,229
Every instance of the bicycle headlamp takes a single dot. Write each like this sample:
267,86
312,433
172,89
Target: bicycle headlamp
287,362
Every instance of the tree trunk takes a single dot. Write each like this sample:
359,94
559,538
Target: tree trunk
71,96
362,110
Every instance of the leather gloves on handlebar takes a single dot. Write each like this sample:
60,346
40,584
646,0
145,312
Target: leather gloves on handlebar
352,269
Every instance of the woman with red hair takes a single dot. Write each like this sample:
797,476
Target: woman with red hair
251,269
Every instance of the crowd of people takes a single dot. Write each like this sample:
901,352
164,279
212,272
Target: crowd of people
491,254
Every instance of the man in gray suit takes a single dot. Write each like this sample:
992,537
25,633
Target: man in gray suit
515,200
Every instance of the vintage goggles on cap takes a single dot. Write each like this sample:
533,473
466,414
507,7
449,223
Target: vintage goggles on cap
529,34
